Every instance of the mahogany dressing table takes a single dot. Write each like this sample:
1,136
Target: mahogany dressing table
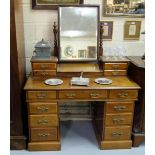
113,104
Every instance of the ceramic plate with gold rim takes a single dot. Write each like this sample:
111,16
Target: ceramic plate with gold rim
53,82
103,81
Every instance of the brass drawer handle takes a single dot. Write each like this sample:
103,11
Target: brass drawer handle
43,109
43,122
116,66
123,94
71,95
44,66
117,134
44,73
43,134
93,95
41,95
119,108
115,73
118,120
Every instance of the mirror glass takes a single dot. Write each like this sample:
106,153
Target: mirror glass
78,33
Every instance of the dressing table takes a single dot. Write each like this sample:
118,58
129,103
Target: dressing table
113,104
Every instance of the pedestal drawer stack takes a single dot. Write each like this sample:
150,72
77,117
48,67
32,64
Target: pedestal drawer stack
44,67
118,118
43,121
115,66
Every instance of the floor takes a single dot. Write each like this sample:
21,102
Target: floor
78,138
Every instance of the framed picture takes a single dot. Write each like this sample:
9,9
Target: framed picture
107,27
91,52
81,53
131,8
132,30
53,4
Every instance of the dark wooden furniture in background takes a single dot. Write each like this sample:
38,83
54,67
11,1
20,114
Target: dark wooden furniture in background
136,72
17,79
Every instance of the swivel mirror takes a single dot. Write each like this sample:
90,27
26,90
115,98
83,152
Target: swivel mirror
78,33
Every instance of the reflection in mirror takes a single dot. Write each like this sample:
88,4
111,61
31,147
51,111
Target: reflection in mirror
78,33
125,7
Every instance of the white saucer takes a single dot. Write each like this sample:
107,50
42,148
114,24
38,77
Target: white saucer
53,82
103,81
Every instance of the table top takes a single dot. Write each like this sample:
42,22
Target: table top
121,82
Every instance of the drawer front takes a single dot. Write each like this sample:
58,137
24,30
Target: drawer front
115,66
43,134
41,95
117,133
44,73
43,120
123,94
83,94
117,107
42,66
118,119
115,72
43,108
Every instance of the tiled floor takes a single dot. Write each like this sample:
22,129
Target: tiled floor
78,138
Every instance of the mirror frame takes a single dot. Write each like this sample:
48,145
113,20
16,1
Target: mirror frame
98,33
123,15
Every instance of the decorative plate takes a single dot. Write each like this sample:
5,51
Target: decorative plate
68,51
53,82
103,81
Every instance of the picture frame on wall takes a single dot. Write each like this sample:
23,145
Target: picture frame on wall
53,4
107,29
81,53
132,30
127,8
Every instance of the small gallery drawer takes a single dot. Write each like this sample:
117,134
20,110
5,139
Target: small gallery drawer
43,120
117,133
117,107
44,73
115,72
83,94
117,66
41,95
42,108
42,66
43,134
118,119
123,94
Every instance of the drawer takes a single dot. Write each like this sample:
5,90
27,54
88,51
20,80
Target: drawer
118,119
43,120
43,108
102,94
117,107
115,72
43,134
115,66
41,95
121,144
117,133
44,73
42,66
123,94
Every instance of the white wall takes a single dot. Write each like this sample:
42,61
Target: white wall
38,24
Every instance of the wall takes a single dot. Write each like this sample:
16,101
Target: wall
38,24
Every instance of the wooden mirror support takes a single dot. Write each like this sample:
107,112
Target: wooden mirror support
101,40
55,31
